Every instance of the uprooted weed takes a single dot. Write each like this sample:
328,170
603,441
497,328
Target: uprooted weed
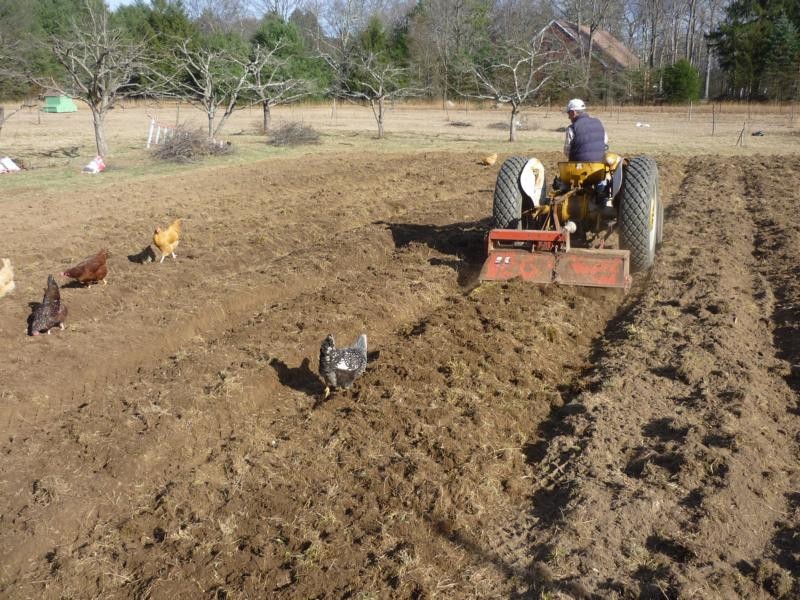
188,145
293,134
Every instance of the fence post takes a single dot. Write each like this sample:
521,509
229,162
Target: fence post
741,141
150,132
713,118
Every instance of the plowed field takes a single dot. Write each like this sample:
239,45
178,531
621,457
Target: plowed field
506,440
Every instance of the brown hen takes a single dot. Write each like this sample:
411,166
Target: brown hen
90,270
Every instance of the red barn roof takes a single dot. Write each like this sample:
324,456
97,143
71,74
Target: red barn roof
606,49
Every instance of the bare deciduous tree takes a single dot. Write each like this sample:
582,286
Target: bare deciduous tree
449,29
363,71
220,16
7,52
4,116
590,14
269,84
102,67
366,77
517,79
210,79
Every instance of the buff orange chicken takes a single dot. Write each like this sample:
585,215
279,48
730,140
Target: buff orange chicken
167,240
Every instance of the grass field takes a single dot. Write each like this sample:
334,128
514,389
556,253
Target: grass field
33,136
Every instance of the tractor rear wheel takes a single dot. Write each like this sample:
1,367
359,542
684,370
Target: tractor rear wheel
640,212
660,222
508,194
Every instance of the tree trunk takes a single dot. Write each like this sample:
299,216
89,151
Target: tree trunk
512,128
265,107
377,112
589,56
99,132
224,119
210,114
380,118
221,124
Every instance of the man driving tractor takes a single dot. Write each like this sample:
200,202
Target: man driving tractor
586,139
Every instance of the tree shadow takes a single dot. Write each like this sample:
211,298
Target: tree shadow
464,240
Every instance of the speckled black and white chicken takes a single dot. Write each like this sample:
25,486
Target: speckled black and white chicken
340,367
50,312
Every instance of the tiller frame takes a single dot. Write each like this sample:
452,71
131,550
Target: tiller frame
546,256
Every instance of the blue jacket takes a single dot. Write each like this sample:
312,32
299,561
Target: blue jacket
589,139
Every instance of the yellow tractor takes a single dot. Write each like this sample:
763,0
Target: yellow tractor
536,230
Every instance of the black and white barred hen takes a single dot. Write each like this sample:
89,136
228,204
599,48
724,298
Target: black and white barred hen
50,312
341,367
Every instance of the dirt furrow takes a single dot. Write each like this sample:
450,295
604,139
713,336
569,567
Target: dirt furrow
676,455
239,253
776,242
506,441
407,472
228,428
390,273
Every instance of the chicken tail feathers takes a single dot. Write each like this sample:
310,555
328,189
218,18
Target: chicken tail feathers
361,344
51,294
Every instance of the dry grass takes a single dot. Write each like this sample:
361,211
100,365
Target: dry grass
36,138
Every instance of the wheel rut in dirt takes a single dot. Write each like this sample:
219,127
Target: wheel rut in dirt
426,450
507,440
219,453
684,436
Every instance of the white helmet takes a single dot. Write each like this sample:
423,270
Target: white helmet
575,104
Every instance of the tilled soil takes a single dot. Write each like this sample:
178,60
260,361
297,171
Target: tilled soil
507,440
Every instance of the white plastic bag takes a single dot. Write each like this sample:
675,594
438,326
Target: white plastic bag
7,165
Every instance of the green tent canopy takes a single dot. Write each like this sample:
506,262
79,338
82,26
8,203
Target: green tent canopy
58,104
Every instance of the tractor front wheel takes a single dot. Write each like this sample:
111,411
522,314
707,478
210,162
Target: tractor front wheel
640,212
508,194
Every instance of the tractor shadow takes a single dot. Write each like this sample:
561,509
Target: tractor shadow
463,241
